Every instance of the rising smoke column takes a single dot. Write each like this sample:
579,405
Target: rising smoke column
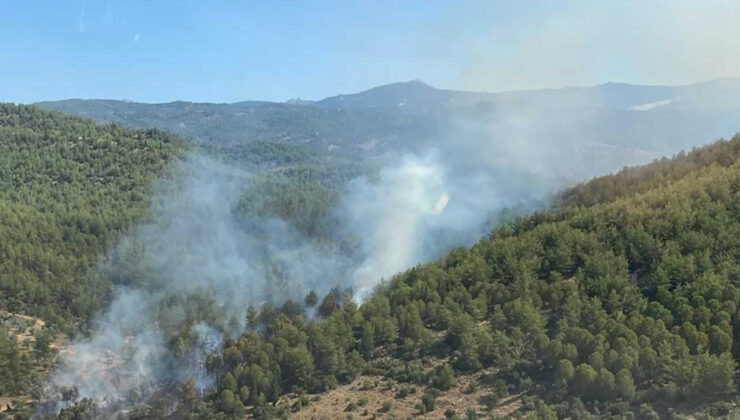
192,247
388,215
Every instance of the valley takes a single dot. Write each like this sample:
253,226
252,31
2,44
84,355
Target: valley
364,210
274,276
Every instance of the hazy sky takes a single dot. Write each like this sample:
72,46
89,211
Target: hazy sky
225,51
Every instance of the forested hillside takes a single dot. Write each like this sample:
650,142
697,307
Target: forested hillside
68,187
620,302
71,189
349,133
636,180
623,303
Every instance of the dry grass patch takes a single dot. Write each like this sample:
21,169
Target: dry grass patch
369,397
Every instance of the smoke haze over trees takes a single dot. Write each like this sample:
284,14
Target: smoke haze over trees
204,286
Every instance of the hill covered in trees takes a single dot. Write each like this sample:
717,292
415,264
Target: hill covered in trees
68,187
622,303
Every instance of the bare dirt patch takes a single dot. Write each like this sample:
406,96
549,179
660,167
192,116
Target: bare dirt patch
9,403
375,397
24,327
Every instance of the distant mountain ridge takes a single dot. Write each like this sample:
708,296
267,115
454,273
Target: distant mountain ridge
607,95
635,123
413,94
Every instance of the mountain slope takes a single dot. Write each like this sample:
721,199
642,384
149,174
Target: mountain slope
350,133
68,187
623,307
418,96
637,180
626,294
412,96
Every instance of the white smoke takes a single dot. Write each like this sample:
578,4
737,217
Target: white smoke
113,359
415,211
207,340
196,267
194,246
388,215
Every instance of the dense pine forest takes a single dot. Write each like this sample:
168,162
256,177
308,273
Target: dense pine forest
68,188
619,302
622,303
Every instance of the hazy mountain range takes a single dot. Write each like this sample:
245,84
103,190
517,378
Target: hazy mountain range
605,126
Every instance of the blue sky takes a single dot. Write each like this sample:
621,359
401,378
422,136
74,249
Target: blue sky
226,51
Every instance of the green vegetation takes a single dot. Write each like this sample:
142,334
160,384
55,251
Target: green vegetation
290,182
632,181
68,187
352,133
294,194
622,300
16,367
